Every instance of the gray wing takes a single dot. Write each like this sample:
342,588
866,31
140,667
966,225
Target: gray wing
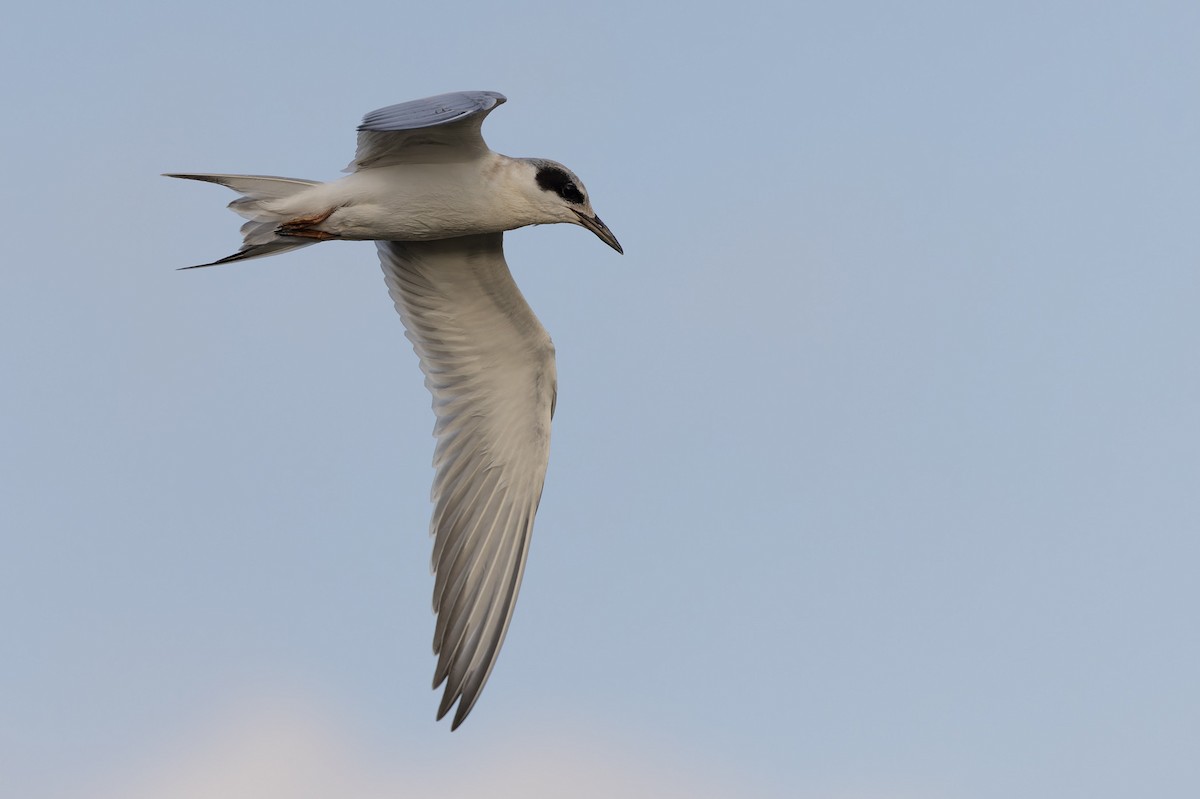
432,130
489,364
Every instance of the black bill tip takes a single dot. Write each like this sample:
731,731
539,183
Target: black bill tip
594,224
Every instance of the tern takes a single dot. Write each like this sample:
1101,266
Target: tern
436,200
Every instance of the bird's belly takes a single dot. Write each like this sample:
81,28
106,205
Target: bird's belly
410,222
417,203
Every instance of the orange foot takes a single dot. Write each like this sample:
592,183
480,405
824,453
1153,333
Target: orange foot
305,227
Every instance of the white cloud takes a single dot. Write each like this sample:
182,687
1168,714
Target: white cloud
280,751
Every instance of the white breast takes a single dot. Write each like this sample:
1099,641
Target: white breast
420,202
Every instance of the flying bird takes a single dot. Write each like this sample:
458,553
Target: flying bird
436,201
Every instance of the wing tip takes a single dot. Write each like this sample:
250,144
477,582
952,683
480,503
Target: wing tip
384,119
461,713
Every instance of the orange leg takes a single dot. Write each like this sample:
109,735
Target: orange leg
305,227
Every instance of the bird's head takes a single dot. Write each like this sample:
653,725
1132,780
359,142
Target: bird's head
558,194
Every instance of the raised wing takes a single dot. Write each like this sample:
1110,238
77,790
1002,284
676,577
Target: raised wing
489,364
434,130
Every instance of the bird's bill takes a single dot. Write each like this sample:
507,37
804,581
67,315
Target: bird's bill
594,224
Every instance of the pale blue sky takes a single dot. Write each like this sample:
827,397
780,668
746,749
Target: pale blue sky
876,458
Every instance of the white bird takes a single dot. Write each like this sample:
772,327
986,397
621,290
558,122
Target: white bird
436,200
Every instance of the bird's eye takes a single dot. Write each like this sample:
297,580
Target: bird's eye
571,193
555,180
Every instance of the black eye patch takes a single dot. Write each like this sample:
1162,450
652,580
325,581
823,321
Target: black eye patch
555,180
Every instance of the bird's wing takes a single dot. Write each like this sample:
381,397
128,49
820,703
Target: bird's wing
433,130
489,364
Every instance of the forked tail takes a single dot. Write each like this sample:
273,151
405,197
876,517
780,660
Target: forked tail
259,234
